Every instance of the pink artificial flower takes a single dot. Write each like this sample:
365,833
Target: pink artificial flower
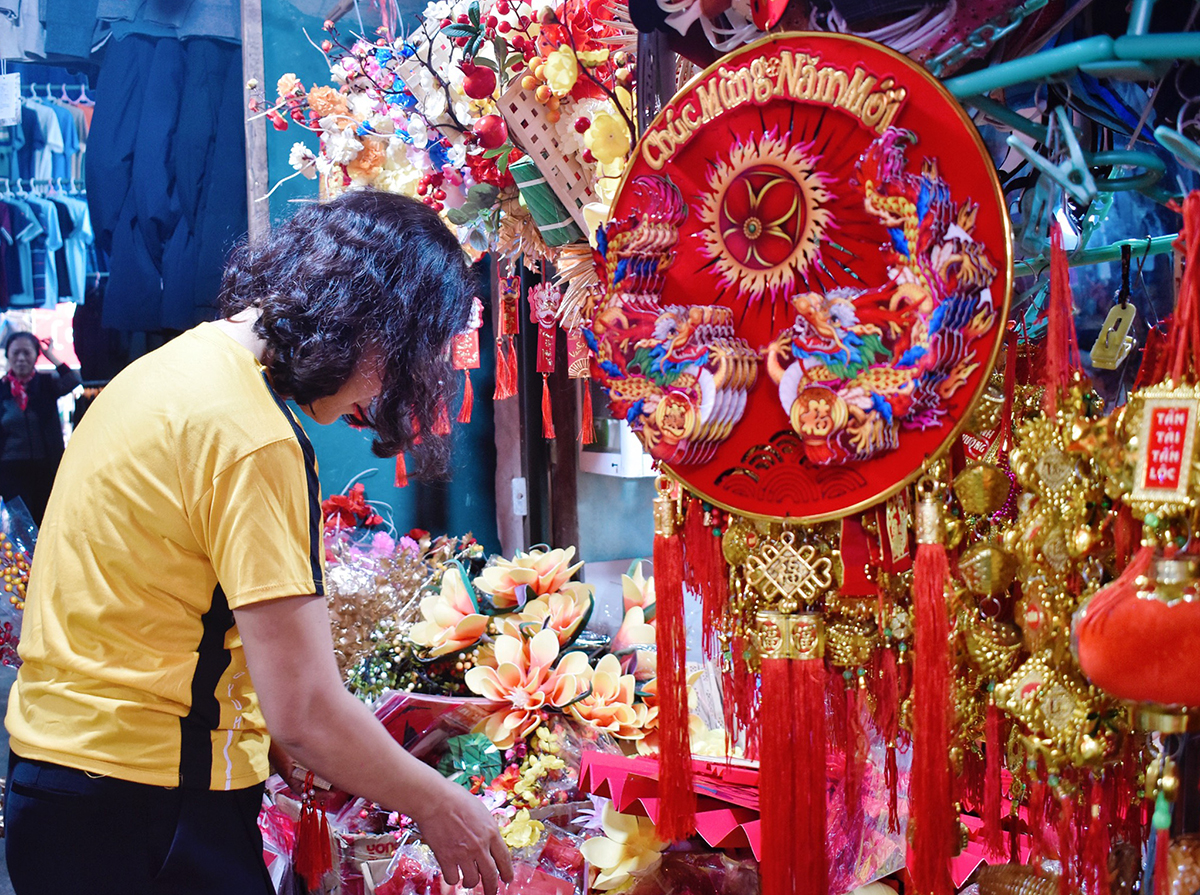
451,622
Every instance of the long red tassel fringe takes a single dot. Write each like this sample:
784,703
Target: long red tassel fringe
401,472
1061,358
513,385
930,805
547,414
501,391
777,771
587,425
993,832
810,810
677,805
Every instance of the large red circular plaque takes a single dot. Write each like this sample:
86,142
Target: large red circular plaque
807,274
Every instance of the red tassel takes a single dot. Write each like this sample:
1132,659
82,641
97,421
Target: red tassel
776,720
1067,855
468,402
1035,815
311,854
1185,330
587,426
501,391
887,697
930,805
993,831
401,472
547,414
1061,359
810,811
891,775
1094,871
856,752
441,425
1125,535
677,812
705,571
512,368
1162,851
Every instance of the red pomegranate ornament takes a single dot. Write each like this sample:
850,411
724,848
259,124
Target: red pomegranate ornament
491,131
480,81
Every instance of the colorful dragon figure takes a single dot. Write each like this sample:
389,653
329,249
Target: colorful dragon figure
859,365
679,375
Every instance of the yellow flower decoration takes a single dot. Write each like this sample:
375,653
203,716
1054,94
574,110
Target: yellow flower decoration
592,58
629,845
561,70
607,138
522,831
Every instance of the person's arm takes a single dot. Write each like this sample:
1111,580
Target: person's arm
67,379
289,651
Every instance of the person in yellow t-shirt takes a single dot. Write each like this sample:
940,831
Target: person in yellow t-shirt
176,618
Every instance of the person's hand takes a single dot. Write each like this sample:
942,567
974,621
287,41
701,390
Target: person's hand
465,839
48,350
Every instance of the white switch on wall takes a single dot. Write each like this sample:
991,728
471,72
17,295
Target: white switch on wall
520,498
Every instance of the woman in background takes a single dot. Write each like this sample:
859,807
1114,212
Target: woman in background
31,437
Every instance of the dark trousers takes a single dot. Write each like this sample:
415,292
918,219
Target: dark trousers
67,832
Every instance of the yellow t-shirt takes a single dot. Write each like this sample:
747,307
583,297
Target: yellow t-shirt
188,490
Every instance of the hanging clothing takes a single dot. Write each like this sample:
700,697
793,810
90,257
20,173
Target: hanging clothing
168,229
45,272
18,253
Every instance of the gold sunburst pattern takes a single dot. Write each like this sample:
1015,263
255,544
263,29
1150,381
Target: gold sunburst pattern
765,213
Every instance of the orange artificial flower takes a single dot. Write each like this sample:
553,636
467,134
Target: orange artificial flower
327,101
368,161
609,706
451,622
540,571
524,685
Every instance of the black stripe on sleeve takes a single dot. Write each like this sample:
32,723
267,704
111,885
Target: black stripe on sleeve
315,543
195,728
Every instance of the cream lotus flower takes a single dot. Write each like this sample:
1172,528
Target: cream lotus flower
610,705
524,685
563,613
451,622
634,631
629,845
638,590
541,571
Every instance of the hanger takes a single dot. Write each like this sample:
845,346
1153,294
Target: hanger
1071,173
84,99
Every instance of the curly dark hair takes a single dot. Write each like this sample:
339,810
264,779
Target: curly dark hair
368,271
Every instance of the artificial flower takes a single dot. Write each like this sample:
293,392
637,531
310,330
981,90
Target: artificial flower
638,590
522,831
634,631
540,571
325,101
609,706
451,622
629,845
592,58
524,685
349,510
342,147
289,85
368,161
561,70
563,612
303,160
607,138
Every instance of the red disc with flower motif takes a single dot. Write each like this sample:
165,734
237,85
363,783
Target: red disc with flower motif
807,274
